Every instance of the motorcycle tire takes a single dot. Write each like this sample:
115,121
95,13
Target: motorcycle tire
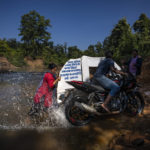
75,115
135,104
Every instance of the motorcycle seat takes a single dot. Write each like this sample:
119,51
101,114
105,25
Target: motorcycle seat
98,88
97,84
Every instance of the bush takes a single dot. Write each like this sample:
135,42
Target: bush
15,57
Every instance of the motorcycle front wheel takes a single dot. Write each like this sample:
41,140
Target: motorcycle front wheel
75,115
135,104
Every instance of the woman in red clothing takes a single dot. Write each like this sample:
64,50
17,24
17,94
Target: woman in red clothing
46,89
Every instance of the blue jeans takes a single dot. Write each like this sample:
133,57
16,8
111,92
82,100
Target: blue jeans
108,84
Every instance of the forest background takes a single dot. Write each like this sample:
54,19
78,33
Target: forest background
36,42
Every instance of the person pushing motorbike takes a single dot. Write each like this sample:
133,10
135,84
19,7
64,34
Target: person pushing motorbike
104,67
46,90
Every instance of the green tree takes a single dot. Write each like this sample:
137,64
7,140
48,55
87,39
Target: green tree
121,40
47,55
3,47
90,51
99,49
142,26
74,52
33,30
15,56
142,33
13,43
59,49
54,54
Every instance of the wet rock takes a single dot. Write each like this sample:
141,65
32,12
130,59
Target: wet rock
6,114
138,142
147,93
123,140
120,147
147,131
147,134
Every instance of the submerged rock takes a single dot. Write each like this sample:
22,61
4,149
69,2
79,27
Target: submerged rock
138,142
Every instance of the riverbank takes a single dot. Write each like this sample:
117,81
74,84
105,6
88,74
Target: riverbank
30,65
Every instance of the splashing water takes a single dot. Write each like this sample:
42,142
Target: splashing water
16,97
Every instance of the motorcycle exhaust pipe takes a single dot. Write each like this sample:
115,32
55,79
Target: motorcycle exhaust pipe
92,110
87,108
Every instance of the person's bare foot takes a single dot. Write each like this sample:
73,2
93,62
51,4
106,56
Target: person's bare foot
105,107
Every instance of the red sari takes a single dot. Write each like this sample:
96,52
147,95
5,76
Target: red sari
45,89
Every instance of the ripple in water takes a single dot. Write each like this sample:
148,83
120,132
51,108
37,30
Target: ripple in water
16,97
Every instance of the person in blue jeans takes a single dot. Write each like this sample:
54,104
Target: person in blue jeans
104,67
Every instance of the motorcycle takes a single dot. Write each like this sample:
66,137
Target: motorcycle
84,102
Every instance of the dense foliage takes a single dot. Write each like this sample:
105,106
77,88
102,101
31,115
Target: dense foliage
35,41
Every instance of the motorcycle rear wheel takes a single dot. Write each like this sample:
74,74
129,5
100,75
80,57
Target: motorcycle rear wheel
75,115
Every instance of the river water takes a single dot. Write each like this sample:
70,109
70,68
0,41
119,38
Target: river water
18,131
16,98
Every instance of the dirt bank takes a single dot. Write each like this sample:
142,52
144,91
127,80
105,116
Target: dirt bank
144,78
5,65
31,65
34,65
